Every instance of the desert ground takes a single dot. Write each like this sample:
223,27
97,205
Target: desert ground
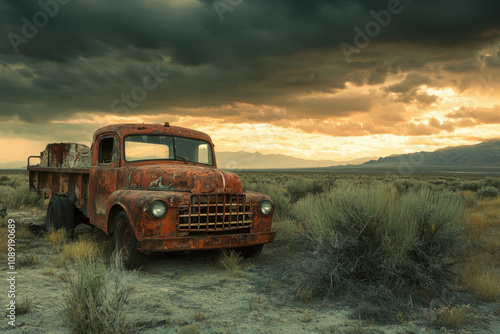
220,292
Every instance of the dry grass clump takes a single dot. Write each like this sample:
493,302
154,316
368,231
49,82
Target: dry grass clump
59,261
23,306
82,250
484,283
199,316
3,242
232,262
57,238
96,298
48,271
475,225
491,245
449,317
24,233
189,329
29,259
477,271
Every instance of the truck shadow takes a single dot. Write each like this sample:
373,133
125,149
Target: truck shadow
192,260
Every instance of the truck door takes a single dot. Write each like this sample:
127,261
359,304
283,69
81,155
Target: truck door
103,178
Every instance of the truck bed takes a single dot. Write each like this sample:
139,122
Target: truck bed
63,170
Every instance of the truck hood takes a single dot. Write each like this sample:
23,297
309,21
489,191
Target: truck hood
195,179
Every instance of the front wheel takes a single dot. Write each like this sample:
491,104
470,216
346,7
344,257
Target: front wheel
126,242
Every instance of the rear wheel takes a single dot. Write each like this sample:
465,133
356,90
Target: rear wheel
60,214
126,242
68,222
53,219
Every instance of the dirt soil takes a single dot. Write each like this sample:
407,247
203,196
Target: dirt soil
172,288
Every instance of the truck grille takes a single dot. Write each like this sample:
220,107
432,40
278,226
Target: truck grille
215,213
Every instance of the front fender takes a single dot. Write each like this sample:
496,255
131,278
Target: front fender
261,223
136,204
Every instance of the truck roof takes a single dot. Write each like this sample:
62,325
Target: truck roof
159,129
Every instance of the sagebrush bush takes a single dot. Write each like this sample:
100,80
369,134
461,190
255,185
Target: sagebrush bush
15,197
402,185
487,191
97,297
492,182
373,236
300,188
469,185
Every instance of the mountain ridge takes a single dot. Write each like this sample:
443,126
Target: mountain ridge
246,160
486,153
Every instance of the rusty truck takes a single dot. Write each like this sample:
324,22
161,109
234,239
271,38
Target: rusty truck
152,188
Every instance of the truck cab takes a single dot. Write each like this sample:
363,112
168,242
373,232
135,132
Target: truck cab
157,188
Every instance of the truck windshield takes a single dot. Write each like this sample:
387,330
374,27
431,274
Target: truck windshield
153,147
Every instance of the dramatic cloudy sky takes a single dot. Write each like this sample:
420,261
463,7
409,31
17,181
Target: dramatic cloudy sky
315,79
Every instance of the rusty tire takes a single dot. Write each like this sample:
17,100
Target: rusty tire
68,216
250,251
60,214
53,218
126,242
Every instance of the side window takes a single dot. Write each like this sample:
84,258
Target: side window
204,156
108,150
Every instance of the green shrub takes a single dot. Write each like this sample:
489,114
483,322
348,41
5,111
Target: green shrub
469,185
22,196
402,185
300,188
419,185
371,237
14,192
487,191
493,182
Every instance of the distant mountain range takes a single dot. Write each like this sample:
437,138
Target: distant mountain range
245,160
482,154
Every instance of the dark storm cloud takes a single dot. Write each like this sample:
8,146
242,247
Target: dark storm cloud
264,52
410,82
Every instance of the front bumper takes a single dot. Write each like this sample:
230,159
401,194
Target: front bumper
150,245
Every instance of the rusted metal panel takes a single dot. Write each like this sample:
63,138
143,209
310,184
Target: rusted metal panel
205,242
181,177
65,155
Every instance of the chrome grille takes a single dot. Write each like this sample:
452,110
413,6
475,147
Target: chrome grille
215,213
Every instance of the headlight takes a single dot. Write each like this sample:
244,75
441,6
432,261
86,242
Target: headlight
265,207
157,209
